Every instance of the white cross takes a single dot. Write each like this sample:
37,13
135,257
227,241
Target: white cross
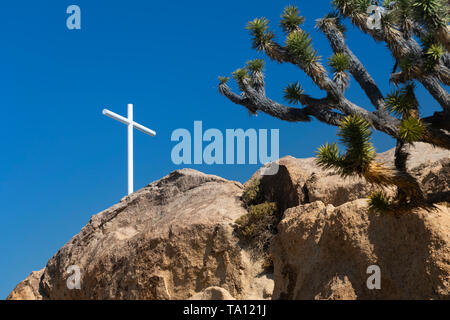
131,124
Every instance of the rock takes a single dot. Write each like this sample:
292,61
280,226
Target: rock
323,252
434,179
338,288
420,153
212,293
28,289
176,239
287,186
170,240
300,181
330,188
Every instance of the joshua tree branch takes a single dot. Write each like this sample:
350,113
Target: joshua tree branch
321,110
356,68
439,120
334,108
253,101
280,54
400,47
438,93
389,126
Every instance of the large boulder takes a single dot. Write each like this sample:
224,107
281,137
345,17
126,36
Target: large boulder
176,239
170,240
212,293
323,252
300,181
29,288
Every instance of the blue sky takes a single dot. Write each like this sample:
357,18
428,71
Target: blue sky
63,161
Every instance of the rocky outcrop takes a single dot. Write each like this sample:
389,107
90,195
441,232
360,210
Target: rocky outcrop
176,239
300,181
29,288
212,293
323,252
170,240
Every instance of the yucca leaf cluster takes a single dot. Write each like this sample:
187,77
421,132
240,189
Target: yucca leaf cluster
291,19
298,44
240,74
293,93
259,31
432,55
379,202
433,14
399,13
256,65
352,6
411,129
355,135
223,80
403,104
339,62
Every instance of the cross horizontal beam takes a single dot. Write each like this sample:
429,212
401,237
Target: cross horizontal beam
135,125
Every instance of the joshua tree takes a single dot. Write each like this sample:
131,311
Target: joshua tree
417,35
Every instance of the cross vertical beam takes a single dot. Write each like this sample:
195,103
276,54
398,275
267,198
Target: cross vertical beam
130,126
130,149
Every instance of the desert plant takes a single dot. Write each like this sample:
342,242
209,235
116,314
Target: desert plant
258,226
397,114
252,193
379,202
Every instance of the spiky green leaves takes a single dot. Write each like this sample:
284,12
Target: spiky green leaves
298,44
259,30
328,156
397,104
240,74
352,6
256,65
379,202
255,68
399,13
435,52
339,62
411,129
223,80
432,50
402,102
291,19
355,134
251,75
433,14
258,27
293,93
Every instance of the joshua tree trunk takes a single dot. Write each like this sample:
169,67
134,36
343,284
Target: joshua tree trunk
426,62
413,190
332,108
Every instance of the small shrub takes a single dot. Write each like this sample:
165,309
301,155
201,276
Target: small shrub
252,194
258,226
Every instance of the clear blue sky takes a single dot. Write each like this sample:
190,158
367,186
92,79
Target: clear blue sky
63,161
